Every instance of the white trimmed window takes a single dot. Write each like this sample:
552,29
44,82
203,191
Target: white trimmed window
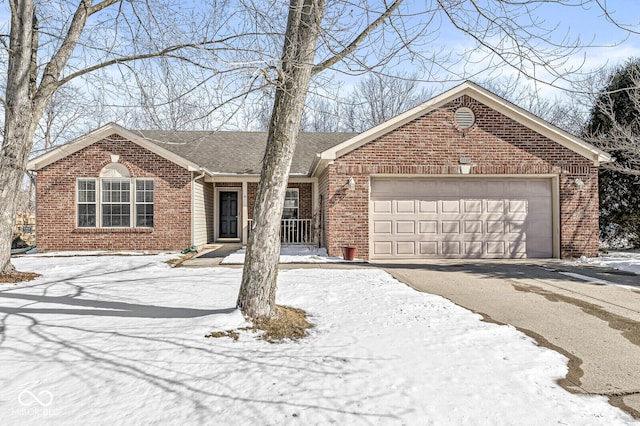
115,203
86,197
112,206
291,204
144,203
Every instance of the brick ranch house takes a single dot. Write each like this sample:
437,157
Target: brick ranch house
465,174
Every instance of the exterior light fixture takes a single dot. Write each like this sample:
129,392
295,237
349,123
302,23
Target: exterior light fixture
351,183
465,165
579,184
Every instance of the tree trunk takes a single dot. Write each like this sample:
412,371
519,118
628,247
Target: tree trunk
259,278
19,127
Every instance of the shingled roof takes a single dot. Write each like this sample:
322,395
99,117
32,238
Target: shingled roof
238,152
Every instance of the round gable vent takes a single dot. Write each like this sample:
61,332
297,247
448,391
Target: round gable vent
464,117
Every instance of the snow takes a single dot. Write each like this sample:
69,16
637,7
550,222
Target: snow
120,340
291,254
622,260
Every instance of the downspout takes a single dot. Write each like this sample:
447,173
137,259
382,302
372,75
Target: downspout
203,172
34,181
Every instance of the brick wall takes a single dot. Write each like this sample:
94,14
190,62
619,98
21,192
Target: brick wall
432,144
56,209
305,193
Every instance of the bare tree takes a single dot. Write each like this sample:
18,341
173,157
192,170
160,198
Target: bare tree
380,97
67,115
569,113
71,43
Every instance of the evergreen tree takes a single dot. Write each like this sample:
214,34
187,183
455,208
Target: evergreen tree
614,125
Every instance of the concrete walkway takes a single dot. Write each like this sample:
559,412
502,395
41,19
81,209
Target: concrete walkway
596,326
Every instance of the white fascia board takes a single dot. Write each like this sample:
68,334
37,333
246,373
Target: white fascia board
482,95
101,133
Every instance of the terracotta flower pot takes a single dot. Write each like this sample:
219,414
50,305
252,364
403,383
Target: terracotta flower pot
348,252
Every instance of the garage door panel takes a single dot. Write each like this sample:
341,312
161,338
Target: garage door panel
473,248
405,206
382,227
517,247
450,206
382,248
405,247
405,227
472,206
428,226
428,206
382,206
495,206
429,248
496,247
460,217
517,227
495,227
451,248
517,206
473,226
450,227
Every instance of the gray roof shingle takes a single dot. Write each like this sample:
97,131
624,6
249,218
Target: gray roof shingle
238,152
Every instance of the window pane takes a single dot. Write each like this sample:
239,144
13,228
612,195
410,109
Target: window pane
290,210
144,216
86,207
144,203
86,215
116,206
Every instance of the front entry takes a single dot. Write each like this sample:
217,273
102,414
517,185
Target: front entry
228,219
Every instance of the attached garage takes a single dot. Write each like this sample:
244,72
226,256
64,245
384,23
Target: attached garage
464,175
462,217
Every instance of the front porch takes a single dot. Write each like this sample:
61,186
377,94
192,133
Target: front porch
294,231
223,210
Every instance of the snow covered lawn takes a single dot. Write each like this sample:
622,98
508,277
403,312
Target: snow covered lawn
119,340
622,260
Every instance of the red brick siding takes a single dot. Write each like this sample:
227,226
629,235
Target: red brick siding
323,190
432,144
56,195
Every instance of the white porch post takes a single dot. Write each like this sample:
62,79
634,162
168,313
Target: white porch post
245,213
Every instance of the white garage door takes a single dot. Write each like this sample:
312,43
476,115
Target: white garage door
460,218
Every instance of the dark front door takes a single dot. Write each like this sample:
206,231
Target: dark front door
228,214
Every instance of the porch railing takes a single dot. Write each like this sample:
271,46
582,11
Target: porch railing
293,231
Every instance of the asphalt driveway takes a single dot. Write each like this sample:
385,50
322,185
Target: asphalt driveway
596,325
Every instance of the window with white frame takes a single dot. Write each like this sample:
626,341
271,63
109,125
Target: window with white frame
144,203
86,203
291,204
115,203
108,201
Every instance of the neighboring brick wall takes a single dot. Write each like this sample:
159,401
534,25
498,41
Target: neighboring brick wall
305,192
56,193
432,145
